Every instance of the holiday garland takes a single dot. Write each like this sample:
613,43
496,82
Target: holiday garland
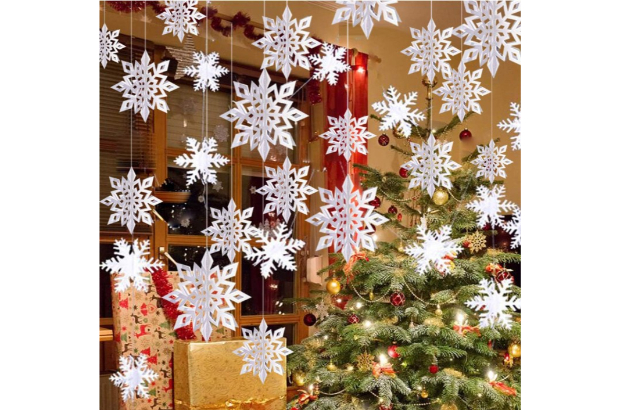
163,287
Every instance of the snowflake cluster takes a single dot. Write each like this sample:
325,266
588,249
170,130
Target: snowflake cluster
497,303
434,250
133,377
230,230
181,17
131,265
207,71
278,250
513,125
204,160
330,63
365,11
109,46
347,135
461,91
491,161
396,111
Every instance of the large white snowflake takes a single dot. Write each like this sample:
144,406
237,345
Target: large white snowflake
493,31
264,115
430,165
277,250
461,91
131,265
513,227
286,42
433,248
133,377
145,86
206,295
131,200
491,161
397,111
181,17
330,63
230,230
430,50
347,220
207,71
263,351
497,303
204,160
365,11
109,45
347,135
490,205
513,125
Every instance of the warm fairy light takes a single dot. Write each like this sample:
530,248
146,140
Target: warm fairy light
311,387
325,337
339,300
460,319
360,69
358,305
375,237
350,368
367,323
383,359
491,376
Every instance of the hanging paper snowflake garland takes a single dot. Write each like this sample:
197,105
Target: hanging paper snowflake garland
206,295
108,46
134,377
181,17
491,161
396,111
432,250
365,11
461,91
264,115
347,219
513,125
513,227
278,250
263,351
489,206
204,160
207,71
347,135
329,63
131,265
131,200
145,86
230,230
497,303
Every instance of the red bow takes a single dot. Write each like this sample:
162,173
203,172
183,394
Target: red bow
501,387
305,397
386,369
462,330
348,267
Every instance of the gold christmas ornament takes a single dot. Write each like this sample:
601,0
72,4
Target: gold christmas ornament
449,406
440,197
514,350
333,286
433,321
454,373
438,311
371,295
299,378
364,361
477,241
424,394
331,367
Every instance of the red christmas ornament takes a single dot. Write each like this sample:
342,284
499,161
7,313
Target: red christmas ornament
397,298
353,319
309,319
403,172
465,134
400,217
466,244
392,352
502,276
385,407
340,301
384,140
392,210
375,202
433,368
490,344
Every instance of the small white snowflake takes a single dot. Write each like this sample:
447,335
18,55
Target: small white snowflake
185,222
263,351
433,248
204,161
278,250
461,91
489,205
513,125
217,187
207,72
133,377
431,165
181,17
347,135
513,227
491,161
397,111
230,230
108,46
330,63
131,267
221,133
497,303
131,200
253,189
365,11
321,310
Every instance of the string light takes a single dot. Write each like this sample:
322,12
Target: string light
367,323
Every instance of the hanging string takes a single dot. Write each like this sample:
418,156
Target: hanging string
263,178
205,136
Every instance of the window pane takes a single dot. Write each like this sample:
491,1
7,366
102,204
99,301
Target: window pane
277,152
106,251
279,286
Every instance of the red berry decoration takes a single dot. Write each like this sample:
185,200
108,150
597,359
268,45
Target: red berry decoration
384,140
400,217
353,319
375,202
465,134
392,210
309,319
433,368
397,298
392,352
403,172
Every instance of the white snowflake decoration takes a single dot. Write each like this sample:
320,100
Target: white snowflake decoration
513,227
493,32
433,248
217,187
431,165
206,295
396,111
497,303
109,46
490,205
329,63
263,351
230,230
133,377
365,11
430,50
145,86
321,310
207,72
513,125
204,160
461,91
277,250
131,265
491,161
347,219
264,115
286,190
131,200
221,133
347,135
286,42
181,17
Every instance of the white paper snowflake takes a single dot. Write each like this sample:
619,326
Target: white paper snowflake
497,303
430,50
181,17
461,91
286,190
490,205
230,230
131,265
513,227
221,133
396,111
433,248
131,200
277,250
347,219
263,351
217,187
133,377
145,86
347,135
321,310
430,165
491,161
206,295
109,45
329,63
204,160
365,11
264,115
493,31
207,71
513,125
